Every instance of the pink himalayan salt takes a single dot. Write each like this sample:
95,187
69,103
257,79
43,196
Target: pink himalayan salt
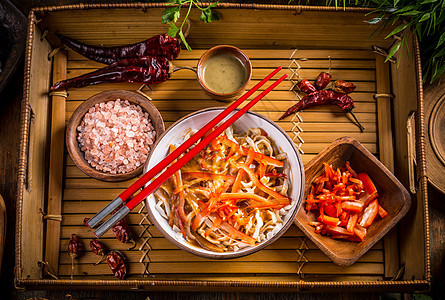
116,136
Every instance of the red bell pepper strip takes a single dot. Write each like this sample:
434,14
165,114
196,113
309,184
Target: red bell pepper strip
338,230
360,232
382,212
329,220
369,213
367,183
352,206
352,222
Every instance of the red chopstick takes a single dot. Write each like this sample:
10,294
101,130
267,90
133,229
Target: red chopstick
173,155
178,164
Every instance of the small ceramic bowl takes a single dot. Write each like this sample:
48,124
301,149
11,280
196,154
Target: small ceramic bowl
72,144
235,61
175,135
392,196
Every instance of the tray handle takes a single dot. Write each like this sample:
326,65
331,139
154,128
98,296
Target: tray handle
30,151
411,138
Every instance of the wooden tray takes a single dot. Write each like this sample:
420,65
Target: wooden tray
66,196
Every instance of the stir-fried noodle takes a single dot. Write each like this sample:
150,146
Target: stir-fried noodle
232,195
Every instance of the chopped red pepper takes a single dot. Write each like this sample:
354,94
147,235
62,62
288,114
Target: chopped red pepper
367,183
382,212
369,214
360,232
352,222
329,220
330,210
346,203
352,206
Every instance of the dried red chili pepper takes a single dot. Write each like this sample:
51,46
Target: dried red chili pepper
321,97
143,70
344,101
98,248
116,262
322,80
123,233
306,87
75,250
159,45
344,87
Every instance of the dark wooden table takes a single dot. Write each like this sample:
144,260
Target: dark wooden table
10,99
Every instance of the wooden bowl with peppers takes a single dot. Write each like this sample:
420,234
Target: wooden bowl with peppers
351,201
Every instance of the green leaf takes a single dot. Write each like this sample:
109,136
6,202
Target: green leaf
425,17
181,35
393,51
212,5
170,14
397,30
411,13
208,16
428,1
441,40
439,54
172,30
403,9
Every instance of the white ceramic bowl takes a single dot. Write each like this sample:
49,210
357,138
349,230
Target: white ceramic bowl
175,135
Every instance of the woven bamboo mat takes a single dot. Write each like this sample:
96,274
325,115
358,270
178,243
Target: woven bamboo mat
292,257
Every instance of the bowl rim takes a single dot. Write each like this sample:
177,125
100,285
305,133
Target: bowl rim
246,251
342,260
71,131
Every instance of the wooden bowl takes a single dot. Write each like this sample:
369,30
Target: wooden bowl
72,145
392,196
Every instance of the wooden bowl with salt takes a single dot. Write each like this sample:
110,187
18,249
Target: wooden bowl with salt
104,161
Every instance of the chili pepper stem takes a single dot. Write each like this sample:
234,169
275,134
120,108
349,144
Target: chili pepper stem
356,120
101,259
134,245
72,268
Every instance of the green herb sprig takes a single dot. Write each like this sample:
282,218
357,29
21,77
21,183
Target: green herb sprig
172,14
427,19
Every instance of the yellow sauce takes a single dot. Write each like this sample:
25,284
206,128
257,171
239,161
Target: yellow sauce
224,73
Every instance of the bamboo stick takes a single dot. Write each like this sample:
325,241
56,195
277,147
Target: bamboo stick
256,63
235,268
56,165
311,54
259,73
159,256
386,154
191,85
332,118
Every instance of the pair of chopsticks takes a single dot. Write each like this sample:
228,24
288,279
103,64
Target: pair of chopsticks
203,132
